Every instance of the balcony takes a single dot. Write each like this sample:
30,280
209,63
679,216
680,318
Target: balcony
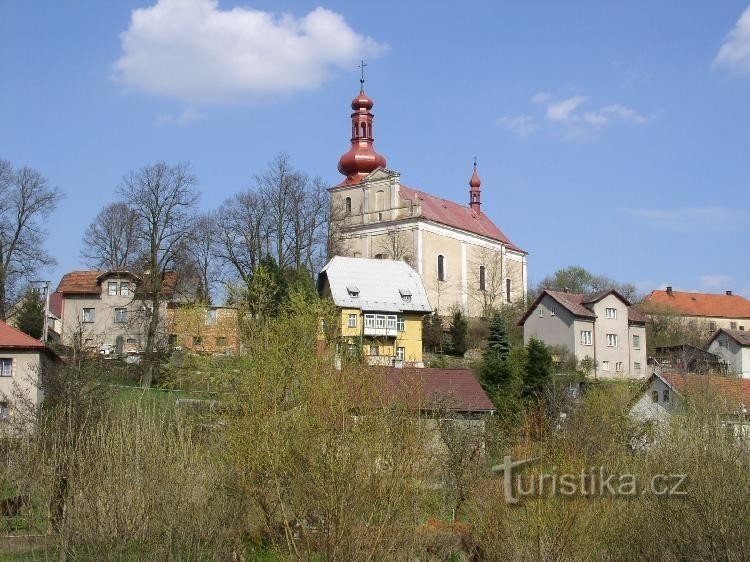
388,332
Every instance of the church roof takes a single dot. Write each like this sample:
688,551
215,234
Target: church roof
457,216
374,285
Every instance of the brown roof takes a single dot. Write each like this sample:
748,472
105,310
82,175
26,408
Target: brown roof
458,216
700,304
80,282
88,282
454,390
736,390
576,303
740,336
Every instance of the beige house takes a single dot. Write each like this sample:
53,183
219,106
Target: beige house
104,311
22,362
463,258
603,328
708,312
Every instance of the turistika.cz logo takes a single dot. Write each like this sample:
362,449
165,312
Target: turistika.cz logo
590,482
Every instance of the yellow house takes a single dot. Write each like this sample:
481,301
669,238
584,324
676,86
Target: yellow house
381,305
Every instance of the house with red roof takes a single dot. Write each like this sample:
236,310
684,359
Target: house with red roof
108,311
707,312
603,328
22,362
462,256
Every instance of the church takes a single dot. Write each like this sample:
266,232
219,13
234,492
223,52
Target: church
463,258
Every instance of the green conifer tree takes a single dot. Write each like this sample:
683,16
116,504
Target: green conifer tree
30,315
538,369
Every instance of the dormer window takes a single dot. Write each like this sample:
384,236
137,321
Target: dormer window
353,291
112,288
405,295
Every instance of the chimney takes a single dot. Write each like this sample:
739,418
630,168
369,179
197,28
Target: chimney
729,293
669,291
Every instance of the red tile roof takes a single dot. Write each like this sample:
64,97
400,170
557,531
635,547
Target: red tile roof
735,390
13,338
699,304
454,390
80,282
458,216
88,282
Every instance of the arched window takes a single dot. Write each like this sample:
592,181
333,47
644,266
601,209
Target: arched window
481,278
441,267
507,290
369,130
364,129
348,204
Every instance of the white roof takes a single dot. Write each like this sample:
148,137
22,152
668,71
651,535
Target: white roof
374,285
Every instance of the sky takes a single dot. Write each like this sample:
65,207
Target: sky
611,135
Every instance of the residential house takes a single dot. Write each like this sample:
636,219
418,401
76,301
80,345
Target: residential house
664,394
686,358
381,304
203,328
733,349
23,360
106,311
707,311
603,328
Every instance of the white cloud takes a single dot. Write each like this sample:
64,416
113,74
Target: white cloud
734,52
692,219
185,117
193,51
563,110
522,125
570,118
716,281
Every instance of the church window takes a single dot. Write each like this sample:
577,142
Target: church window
364,130
507,290
348,204
481,278
441,267
369,131
379,200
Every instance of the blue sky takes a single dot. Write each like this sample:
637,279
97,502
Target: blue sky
610,135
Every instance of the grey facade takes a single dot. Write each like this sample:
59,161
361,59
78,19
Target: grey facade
602,328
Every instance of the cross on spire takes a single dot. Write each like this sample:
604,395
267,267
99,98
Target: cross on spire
362,64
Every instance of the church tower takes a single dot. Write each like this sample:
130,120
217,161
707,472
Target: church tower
475,191
361,159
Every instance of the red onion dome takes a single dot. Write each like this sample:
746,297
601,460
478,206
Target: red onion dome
475,181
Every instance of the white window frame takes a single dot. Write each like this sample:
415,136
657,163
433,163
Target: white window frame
110,286
605,365
369,320
610,313
637,367
541,312
586,337
400,354
352,321
125,289
391,322
92,318
636,341
553,310
6,366
380,320
618,367
401,324
612,340
121,311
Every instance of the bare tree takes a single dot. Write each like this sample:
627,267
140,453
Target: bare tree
396,245
164,198
111,241
488,288
242,232
26,199
308,210
201,252
277,186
